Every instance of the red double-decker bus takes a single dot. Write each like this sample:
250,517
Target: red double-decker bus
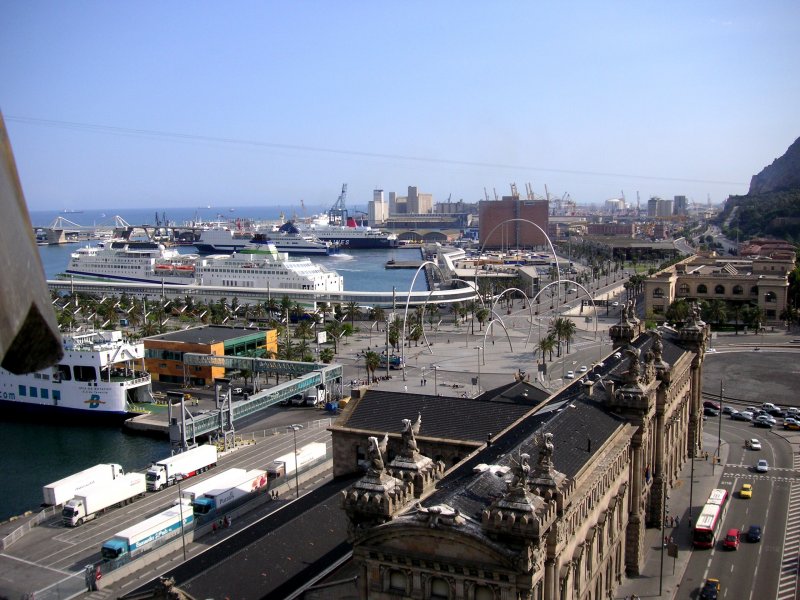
705,528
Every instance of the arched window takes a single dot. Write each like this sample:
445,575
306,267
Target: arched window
738,290
770,297
702,289
439,588
720,289
483,592
398,582
658,293
754,290
683,289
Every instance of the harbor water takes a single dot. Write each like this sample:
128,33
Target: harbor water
40,453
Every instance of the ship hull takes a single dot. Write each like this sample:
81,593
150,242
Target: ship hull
358,243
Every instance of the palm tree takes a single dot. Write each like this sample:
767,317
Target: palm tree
377,314
351,311
715,312
568,330
678,311
335,330
372,361
481,315
455,308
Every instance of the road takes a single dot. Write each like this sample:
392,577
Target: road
756,570
52,552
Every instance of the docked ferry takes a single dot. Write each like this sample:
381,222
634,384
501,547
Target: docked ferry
259,266
100,375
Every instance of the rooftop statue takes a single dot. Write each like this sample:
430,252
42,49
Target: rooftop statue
376,452
410,448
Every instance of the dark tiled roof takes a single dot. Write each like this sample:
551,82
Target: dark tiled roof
466,419
205,335
580,427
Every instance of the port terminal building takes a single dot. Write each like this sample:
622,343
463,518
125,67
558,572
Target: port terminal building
164,353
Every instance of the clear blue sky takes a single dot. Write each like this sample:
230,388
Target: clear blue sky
161,104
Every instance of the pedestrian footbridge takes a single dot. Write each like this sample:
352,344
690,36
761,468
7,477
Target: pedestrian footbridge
185,427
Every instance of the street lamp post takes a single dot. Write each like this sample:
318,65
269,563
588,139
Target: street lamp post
180,504
479,348
435,383
295,427
719,429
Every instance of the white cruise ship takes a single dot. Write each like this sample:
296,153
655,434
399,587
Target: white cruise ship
260,266
100,375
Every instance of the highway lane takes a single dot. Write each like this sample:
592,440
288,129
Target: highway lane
50,552
753,571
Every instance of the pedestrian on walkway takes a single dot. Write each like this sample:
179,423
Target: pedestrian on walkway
405,388
677,521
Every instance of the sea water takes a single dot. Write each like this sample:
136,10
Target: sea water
37,454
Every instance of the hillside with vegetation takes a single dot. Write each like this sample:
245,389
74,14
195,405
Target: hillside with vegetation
771,208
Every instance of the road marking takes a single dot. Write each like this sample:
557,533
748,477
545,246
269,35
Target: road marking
34,564
787,582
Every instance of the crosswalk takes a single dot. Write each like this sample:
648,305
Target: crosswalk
787,583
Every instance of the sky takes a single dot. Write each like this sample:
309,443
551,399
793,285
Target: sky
173,104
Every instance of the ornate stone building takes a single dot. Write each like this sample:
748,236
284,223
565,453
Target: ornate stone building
554,506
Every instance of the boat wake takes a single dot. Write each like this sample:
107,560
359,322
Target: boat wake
342,256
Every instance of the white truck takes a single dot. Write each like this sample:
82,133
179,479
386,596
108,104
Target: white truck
148,534
65,489
220,481
93,500
180,466
226,498
286,465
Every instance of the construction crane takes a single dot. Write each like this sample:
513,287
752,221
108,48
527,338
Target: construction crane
337,215
529,191
514,192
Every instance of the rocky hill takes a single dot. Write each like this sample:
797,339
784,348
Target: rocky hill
772,206
783,174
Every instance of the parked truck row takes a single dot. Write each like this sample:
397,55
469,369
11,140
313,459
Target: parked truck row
91,492
152,532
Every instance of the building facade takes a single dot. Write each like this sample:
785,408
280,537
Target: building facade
760,282
516,233
555,506
164,353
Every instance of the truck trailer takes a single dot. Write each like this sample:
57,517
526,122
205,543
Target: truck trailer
93,500
148,534
219,499
180,466
221,481
65,489
286,465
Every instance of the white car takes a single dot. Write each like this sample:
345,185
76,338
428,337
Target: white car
753,444
762,466
570,375
583,369
767,419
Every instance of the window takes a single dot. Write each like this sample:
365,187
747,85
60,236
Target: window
658,293
770,297
64,373
720,289
56,395
702,289
45,393
397,581
738,290
439,588
85,373
483,593
23,390
34,392
683,289
754,290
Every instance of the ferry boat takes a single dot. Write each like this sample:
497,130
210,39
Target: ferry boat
100,375
286,238
258,265
350,236
220,238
